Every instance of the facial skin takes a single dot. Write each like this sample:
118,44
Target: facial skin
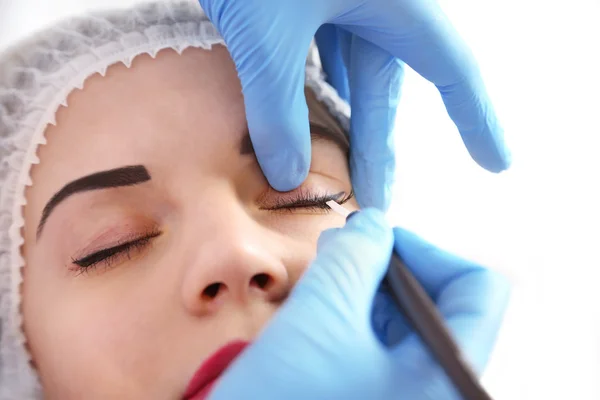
139,326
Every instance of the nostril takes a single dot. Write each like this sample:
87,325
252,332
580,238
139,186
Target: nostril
263,281
211,291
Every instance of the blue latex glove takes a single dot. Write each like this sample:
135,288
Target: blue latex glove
326,340
361,51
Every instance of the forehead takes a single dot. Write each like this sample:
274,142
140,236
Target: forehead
156,104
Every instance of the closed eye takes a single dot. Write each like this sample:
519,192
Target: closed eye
308,201
114,254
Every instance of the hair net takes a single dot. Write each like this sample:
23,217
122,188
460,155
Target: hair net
36,76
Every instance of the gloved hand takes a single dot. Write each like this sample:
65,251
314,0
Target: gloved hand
361,52
326,340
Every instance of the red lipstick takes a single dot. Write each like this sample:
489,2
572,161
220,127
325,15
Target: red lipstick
208,373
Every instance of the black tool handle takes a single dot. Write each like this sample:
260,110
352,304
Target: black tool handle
422,313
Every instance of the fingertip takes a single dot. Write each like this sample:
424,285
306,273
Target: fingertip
502,162
488,146
286,169
471,110
280,134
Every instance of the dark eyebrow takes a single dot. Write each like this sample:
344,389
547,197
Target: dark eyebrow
317,132
113,178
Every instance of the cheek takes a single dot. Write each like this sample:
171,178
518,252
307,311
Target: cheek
75,325
306,229
301,236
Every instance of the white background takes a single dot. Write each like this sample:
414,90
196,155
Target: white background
539,222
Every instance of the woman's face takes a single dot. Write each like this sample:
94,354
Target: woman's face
135,276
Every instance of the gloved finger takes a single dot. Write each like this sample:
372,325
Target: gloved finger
472,299
436,51
350,264
271,68
389,324
375,81
333,43
433,267
473,306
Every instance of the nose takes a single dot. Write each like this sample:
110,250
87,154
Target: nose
236,265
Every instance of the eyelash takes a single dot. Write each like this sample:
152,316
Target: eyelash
113,254
108,257
303,199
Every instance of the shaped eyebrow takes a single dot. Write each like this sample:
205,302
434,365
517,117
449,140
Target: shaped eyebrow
113,178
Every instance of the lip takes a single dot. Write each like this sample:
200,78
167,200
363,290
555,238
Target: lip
210,370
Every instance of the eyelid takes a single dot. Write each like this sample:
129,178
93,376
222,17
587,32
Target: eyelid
302,198
115,231
123,245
